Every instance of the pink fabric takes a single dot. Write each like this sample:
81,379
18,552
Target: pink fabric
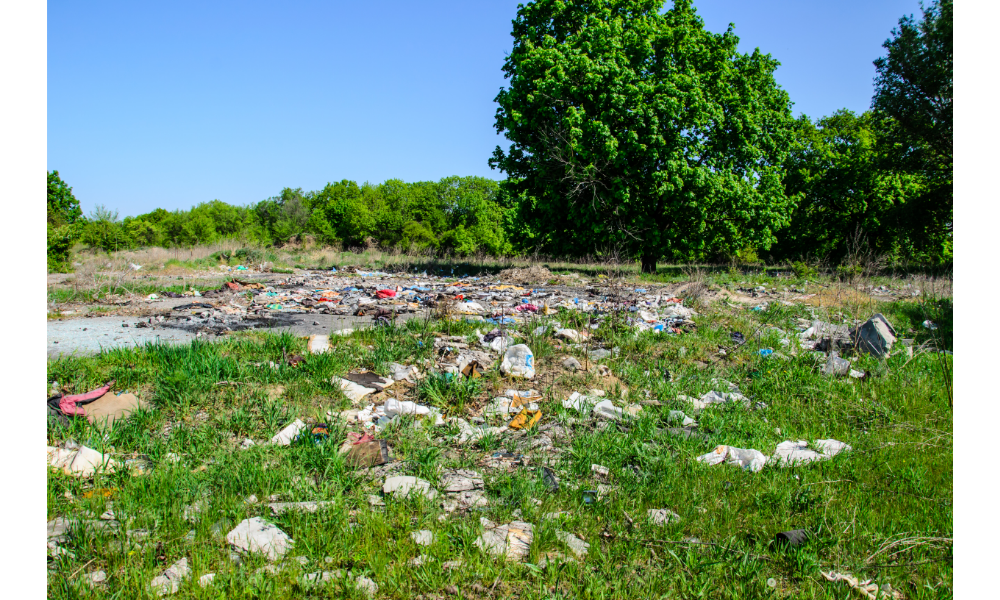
526,308
67,404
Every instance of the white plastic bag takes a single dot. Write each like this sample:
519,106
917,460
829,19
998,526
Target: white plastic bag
518,361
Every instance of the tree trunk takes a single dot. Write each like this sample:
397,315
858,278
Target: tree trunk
649,262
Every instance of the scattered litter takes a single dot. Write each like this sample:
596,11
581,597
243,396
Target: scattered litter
370,380
353,391
286,435
790,453
836,366
518,361
866,588
367,454
794,537
875,336
752,460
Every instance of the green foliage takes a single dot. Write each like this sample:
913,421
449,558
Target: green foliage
803,271
62,207
913,94
844,190
641,132
59,243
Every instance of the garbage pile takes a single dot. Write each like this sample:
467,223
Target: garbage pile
384,297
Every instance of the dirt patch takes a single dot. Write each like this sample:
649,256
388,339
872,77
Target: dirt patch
530,275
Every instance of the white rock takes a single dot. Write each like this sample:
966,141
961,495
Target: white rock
257,535
662,516
403,486
170,581
278,508
424,537
95,578
206,579
578,546
81,462
366,585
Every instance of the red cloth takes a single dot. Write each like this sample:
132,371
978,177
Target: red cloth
67,404
385,294
233,286
359,438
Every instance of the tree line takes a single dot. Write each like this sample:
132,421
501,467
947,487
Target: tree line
635,133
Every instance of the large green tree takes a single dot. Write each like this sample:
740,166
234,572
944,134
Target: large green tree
913,94
842,192
640,132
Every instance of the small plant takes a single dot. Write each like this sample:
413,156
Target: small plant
803,271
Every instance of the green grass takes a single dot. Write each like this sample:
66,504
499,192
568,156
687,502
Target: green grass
896,484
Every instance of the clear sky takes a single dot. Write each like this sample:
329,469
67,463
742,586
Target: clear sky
170,104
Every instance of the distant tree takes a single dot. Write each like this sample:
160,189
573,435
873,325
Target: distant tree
842,190
63,207
641,131
913,95
62,215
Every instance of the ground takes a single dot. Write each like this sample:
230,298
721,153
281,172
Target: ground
881,511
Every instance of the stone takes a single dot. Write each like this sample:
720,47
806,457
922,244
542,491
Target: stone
404,486
366,585
170,581
279,508
578,546
600,471
95,578
322,577
424,537
257,535
461,480
206,579
511,540
662,516
572,364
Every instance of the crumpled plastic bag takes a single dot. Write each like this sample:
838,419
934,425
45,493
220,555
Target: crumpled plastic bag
518,361
789,453
754,460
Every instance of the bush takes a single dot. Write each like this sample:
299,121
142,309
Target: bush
60,242
804,271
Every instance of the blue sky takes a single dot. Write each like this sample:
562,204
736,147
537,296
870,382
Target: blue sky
172,104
